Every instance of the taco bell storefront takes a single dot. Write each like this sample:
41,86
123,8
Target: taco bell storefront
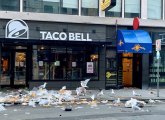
60,54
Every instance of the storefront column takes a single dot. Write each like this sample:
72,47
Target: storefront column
145,71
102,66
0,64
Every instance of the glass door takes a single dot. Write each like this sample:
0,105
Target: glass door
20,68
13,68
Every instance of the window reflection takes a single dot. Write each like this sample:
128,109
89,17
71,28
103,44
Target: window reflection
115,11
51,6
43,6
10,5
65,63
154,9
132,8
89,7
69,7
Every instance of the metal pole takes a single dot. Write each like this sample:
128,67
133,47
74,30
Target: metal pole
158,75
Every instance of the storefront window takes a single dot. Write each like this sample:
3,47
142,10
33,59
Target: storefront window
65,63
90,8
153,68
10,5
111,67
132,8
154,9
115,11
69,7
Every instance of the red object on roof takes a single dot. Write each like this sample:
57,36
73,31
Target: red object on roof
135,23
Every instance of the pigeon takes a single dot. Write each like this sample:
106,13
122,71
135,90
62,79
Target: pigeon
43,86
84,83
135,94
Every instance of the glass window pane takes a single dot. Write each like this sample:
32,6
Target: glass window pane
154,9
43,6
65,63
58,63
115,11
132,8
69,7
41,60
10,5
90,7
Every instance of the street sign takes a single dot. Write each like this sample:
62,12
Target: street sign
158,44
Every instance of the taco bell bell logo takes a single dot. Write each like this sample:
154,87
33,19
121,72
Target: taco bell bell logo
17,28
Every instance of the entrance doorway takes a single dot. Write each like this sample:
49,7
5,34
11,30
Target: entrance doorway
127,69
131,70
13,67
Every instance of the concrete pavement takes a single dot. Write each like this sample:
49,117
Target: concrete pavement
127,93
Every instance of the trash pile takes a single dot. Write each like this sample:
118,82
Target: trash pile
43,97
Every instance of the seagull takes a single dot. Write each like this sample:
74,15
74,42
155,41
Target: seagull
117,101
135,94
63,88
101,93
80,91
84,83
93,97
151,101
112,92
43,86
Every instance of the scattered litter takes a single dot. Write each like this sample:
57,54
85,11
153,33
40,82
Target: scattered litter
68,108
104,101
15,110
79,107
159,101
151,101
134,104
65,99
27,113
2,108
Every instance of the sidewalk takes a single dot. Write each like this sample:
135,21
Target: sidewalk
127,93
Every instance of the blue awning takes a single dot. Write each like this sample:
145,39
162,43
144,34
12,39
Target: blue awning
133,41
